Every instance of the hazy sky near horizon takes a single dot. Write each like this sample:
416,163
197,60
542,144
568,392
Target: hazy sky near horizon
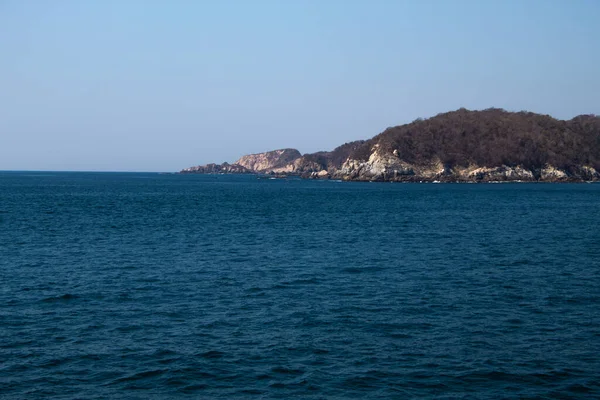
126,85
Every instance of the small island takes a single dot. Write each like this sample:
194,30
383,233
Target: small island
491,145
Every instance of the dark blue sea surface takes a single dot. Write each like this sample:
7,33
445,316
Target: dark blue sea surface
156,286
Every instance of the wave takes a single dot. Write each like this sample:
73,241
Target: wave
64,297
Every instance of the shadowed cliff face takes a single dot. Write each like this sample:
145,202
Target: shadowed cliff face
328,161
465,146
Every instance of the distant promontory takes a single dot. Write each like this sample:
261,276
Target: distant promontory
458,146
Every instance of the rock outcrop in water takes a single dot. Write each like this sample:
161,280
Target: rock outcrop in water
224,168
464,146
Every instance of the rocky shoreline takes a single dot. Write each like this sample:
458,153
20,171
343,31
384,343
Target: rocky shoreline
526,147
395,171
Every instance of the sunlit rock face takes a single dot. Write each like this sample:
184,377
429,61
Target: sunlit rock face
270,160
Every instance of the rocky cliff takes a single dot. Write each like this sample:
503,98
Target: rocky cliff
328,161
276,161
382,167
270,160
463,146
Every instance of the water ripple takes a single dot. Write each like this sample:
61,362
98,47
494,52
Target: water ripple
231,287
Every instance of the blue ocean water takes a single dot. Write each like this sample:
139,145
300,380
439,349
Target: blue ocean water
156,286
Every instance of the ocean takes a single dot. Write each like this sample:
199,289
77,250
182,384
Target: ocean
150,286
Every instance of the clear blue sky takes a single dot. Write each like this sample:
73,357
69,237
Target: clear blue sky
125,85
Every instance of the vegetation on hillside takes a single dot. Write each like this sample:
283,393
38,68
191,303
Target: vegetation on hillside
492,137
336,157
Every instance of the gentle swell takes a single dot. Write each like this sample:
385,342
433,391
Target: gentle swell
231,287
